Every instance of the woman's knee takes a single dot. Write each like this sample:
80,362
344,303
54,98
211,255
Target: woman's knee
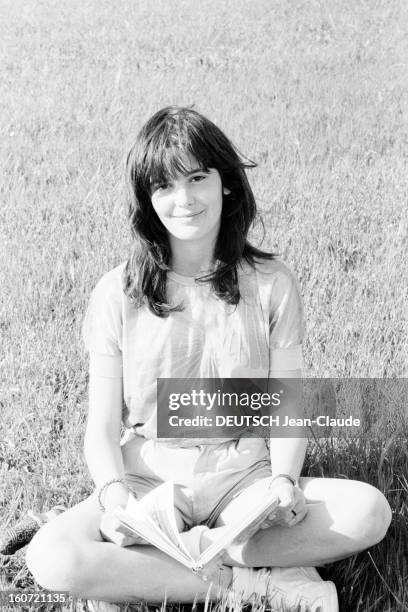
56,562
373,516
380,513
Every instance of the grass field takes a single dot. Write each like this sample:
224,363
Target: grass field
316,92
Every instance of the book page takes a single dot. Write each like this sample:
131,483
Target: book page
256,501
153,518
142,525
159,505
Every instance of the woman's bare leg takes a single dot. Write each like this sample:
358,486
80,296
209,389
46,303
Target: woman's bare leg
344,517
68,554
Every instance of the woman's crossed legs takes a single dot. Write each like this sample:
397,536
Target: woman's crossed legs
344,517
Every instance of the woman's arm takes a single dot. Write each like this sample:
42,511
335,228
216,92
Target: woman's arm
102,437
287,457
288,454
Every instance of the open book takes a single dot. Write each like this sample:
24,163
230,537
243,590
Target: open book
153,519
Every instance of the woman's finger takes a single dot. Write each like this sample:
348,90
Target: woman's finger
112,536
286,516
299,508
297,518
114,531
286,494
111,524
121,539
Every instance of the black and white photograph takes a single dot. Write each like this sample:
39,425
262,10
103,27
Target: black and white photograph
204,306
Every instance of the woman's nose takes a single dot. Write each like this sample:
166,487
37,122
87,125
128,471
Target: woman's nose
183,196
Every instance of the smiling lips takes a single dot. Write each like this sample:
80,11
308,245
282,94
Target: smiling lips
187,216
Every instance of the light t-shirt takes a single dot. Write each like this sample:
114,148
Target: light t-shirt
207,339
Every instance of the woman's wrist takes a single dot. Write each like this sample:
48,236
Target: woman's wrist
113,493
285,477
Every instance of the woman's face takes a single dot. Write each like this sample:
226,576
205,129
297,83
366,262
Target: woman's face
190,205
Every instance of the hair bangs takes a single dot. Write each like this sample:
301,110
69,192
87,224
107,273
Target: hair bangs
172,153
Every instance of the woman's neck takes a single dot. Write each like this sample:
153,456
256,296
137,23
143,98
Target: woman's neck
191,258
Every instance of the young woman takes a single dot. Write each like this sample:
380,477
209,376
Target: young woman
196,300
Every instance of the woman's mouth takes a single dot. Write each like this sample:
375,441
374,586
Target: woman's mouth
188,216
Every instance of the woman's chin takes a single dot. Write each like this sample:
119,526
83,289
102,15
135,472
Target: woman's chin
190,232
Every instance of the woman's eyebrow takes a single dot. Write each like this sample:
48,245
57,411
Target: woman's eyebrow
190,172
187,174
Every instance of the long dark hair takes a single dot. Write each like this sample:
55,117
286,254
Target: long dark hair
159,153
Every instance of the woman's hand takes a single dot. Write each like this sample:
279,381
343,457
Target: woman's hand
112,530
292,505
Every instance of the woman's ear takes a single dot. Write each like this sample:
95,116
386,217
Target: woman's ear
226,191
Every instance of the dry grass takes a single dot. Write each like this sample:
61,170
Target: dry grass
315,92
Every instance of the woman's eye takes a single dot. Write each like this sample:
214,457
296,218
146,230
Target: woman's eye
198,178
160,187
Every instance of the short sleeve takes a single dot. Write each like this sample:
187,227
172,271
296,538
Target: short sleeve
102,328
286,324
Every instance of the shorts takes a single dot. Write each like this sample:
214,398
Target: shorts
207,477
